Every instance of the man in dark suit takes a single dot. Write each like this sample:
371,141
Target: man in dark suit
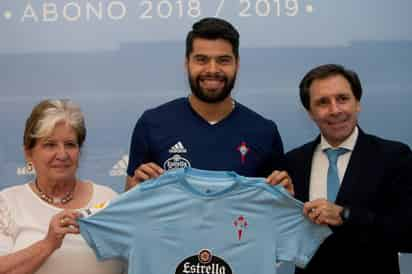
370,210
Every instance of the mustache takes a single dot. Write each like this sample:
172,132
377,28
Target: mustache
213,76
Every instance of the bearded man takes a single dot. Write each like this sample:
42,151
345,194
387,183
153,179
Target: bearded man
208,129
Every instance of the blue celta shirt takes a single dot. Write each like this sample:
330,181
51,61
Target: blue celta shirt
204,222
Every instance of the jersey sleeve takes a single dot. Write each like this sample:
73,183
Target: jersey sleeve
7,227
139,149
278,154
298,238
108,228
276,158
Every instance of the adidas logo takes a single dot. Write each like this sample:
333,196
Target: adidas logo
177,148
23,171
120,168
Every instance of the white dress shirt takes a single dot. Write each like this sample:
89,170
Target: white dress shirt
24,220
320,164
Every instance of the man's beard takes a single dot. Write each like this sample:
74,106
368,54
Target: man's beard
218,96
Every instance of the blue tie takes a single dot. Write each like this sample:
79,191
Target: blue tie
333,179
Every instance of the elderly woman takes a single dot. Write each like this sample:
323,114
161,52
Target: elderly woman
38,231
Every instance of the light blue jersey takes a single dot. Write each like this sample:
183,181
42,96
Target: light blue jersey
203,222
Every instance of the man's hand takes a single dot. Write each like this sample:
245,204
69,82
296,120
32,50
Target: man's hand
144,172
323,212
282,178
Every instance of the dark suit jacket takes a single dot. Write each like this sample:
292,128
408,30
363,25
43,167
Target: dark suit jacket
377,187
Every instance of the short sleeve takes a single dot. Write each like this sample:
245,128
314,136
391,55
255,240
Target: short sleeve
7,227
139,150
297,237
277,160
108,229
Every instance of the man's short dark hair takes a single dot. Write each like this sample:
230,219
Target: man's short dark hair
325,71
212,29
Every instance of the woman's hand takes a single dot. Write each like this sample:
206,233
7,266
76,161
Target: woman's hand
61,224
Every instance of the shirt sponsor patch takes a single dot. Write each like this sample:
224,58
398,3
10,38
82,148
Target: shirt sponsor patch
203,263
176,161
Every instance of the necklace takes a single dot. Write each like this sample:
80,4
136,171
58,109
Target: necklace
53,200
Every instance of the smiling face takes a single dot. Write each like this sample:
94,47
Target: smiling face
212,69
56,157
334,108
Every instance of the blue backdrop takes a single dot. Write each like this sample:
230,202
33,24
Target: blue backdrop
118,58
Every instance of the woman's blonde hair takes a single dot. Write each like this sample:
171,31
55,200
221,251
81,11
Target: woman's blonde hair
47,114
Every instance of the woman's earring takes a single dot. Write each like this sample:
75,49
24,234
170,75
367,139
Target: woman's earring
29,166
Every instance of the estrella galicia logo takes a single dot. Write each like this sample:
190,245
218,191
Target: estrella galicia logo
176,161
203,263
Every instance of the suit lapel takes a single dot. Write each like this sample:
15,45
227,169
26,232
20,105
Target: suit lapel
354,169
